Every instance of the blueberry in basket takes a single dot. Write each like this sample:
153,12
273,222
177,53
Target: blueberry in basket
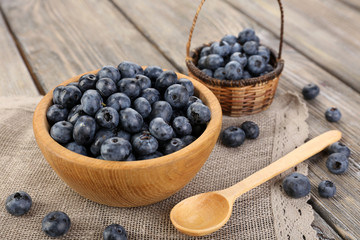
217,60
128,113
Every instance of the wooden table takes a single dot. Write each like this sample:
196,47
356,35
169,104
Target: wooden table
43,43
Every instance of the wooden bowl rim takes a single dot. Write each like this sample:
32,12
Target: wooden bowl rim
41,131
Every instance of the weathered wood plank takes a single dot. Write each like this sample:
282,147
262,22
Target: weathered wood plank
299,70
65,38
15,79
352,3
318,29
325,232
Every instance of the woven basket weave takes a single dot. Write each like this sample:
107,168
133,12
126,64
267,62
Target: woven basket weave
244,96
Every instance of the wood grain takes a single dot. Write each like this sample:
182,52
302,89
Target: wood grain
15,79
64,38
328,36
299,70
324,231
352,3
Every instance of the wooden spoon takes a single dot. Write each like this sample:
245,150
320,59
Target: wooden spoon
205,213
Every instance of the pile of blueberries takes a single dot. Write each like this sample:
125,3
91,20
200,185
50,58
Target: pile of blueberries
127,113
235,58
234,136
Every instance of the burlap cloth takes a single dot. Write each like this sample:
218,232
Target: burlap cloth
263,213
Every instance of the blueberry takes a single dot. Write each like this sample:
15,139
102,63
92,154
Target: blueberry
265,54
129,69
333,114
188,85
269,68
131,120
205,51
232,136
18,203
326,189
61,132
106,87
256,64
150,156
99,138
173,145
160,129
296,185
129,86
192,100
107,117
201,64
246,75
115,149
144,81
123,134
214,61
177,96
115,232
233,70
110,72
75,84
246,35
142,106
56,94
118,101
84,130
239,57
161,109
80,149
182,126
153,72
251,129
91,102
151,94
250,48
310,91
87,81
56,113
56,224
339,147
130,158
264,48
145,143
198,113
69,96
207,72
235,48
188,139
230,39
166,79
220,73
337,163
75,113
221,48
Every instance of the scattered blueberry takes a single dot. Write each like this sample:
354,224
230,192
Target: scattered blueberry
115,149
296,185
115,232
326,189
310,91
251,129
18,203
339,147
337,163
333,114
56,224
233,136
62,132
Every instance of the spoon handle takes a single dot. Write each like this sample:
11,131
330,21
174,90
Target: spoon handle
288,161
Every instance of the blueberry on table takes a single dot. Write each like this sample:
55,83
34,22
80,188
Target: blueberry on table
56,113
160,129
177,96
181,126
115,232
213,61
246,35
232,136
131,120
91,102
106,87
62,132
144,81
161,109
256,65
84,130
165,80
56,224
173,145
198,113
250,48
251,129
118,101
87,81
153,72
116,149
333,114
188,85
80,149
296,185
145,143
337,163
129,69
107,117
142,106
310,91
220,73
239,57
129,86
151,94
233,70
326,189
208,72
18,203
109,72
339,147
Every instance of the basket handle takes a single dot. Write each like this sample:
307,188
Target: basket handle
198,11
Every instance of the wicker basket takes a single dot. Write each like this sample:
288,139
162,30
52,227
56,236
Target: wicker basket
239,97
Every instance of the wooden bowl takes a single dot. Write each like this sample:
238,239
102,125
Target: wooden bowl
128,184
